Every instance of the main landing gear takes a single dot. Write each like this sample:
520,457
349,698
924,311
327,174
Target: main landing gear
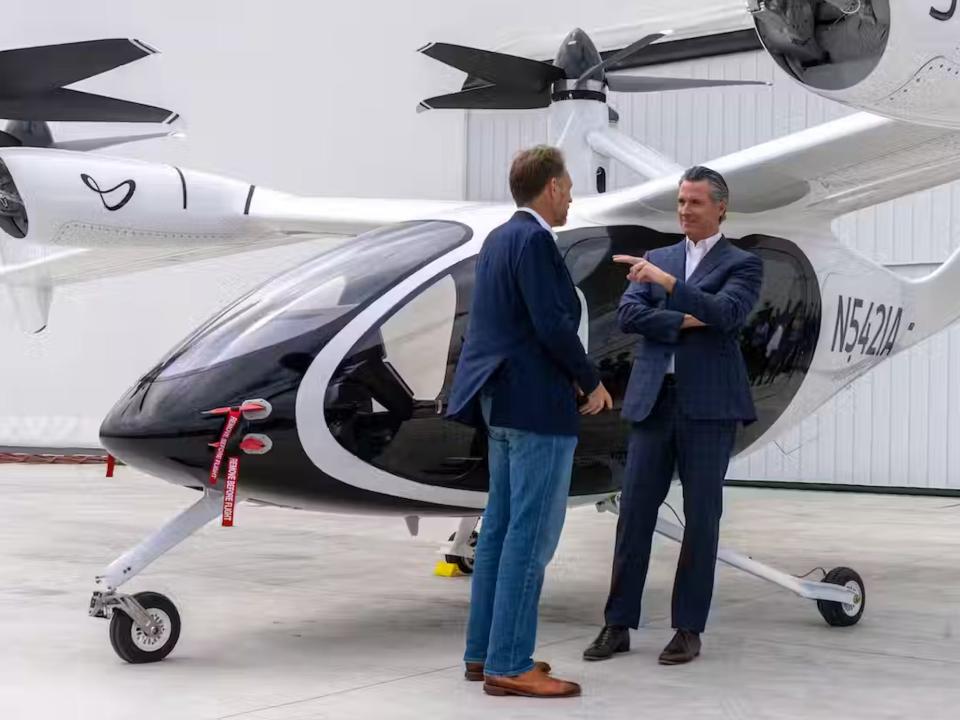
841,596
145,627
463,545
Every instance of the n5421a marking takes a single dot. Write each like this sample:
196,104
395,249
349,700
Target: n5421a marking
872,327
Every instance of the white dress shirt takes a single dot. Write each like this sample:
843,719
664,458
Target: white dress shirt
540,220
695,253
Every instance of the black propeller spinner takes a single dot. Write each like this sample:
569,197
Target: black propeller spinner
32,88
506,82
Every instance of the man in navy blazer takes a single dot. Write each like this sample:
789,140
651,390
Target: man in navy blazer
688,389
520,372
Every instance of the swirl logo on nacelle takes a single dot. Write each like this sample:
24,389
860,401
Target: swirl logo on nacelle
131,186
943,15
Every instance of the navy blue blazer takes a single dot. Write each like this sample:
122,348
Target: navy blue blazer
522,343
712,379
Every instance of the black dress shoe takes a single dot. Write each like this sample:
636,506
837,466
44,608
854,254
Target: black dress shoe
612,639
684,647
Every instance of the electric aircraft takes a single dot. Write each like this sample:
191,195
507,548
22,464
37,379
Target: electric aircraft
330,381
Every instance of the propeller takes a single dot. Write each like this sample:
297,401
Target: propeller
624,54
498,81
32,83
37,134
74,106
32,93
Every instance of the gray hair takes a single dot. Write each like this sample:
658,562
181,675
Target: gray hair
718,186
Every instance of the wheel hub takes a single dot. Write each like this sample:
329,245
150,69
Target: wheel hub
853,608
152,643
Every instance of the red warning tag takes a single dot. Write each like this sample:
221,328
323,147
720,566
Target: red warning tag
228,427
230,491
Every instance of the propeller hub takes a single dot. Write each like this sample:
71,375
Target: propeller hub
578,90
577,55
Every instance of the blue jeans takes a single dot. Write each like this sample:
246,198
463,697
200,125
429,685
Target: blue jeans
529,484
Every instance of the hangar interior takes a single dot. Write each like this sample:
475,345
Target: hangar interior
296,616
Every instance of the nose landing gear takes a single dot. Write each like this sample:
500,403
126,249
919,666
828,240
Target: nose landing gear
145,627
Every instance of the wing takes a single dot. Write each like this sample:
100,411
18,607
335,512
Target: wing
69,217
825,171
31,282
344,216
84,264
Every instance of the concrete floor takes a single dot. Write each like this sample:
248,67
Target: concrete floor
294,615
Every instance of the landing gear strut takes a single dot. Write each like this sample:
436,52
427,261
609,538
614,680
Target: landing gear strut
841,597
463,545
145,627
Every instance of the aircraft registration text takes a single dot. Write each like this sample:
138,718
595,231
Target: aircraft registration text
865,328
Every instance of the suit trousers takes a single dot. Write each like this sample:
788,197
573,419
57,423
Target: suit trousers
699,451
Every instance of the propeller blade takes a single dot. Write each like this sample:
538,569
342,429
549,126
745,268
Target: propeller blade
98,143
639,84
39,70
490,97
629,51
508,71
74,106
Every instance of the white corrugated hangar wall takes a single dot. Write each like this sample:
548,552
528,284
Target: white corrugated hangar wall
895,427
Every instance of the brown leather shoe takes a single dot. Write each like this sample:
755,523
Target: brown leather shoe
474,670
536,684
684,647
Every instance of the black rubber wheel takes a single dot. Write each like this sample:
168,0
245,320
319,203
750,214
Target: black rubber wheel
839,614
131,644
465,564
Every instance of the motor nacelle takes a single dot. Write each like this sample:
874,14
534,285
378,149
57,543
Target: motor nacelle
899,59
72,199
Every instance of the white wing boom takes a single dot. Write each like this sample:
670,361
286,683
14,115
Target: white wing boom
824,172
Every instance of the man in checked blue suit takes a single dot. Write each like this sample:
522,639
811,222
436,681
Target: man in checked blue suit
520,372
688,390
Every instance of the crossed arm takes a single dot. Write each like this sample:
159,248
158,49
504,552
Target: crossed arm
725,310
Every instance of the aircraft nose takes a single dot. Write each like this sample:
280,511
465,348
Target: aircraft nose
261,346
162,425
159,427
